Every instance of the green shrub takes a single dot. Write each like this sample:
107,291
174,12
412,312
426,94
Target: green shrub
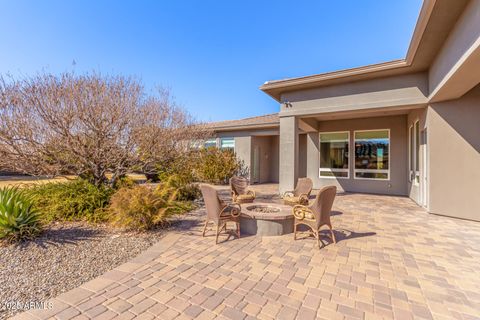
215,165
73,200
142,207
18,218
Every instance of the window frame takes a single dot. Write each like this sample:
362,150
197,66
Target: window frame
210,140
225,138
387,171
320,169
416,169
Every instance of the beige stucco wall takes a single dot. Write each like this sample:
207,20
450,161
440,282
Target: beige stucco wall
302,155
268,157
397,185
395,91
454,156
455,69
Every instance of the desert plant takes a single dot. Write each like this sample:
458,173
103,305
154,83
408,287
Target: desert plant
18,218
144,207
215,165
74,200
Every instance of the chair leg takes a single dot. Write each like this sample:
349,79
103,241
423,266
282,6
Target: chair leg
218,233
204,228
332,234
294,231
238,229
317,235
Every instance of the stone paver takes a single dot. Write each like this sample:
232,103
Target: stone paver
392,260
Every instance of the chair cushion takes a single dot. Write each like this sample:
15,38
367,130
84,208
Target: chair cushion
245,197
295,200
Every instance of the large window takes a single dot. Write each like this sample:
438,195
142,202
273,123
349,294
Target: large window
334,154
227,143
372,156
210,143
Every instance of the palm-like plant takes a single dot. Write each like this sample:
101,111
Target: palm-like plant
18,218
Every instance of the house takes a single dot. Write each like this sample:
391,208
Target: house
409,127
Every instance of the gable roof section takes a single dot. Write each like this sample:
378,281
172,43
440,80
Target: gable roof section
436,19
260,122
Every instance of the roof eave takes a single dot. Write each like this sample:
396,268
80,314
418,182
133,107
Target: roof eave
277,87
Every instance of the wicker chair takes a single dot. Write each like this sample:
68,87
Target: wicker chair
219,212
239,190
300,194
317,214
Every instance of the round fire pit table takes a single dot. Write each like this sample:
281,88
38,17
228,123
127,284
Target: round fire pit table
266,219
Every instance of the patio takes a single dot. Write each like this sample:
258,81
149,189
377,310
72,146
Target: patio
392,260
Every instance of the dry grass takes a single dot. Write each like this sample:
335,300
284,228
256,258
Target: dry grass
23,181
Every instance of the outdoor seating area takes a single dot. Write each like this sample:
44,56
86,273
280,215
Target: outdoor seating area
273,218
392,260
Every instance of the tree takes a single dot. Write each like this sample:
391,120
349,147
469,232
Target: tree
88,125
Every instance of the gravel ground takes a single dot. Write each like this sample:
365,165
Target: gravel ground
62,258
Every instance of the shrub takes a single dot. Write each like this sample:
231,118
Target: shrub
215,165
18,218
73,200
142,207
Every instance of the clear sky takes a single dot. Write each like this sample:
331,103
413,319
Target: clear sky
213,54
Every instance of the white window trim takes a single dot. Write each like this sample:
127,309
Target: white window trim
410,146
334,169
211,140
387,171
232,138
417,156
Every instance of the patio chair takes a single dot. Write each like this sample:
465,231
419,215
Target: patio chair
239,190
300,194
317,214
219,212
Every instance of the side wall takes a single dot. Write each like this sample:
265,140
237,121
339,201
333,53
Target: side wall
397,185
454,156
268,157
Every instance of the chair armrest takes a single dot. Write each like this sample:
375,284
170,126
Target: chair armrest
288,194
251,192
300,210
235,209
303,198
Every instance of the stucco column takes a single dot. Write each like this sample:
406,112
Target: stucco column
288,166
313,158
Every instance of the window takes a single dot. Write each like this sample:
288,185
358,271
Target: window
372,154
334,154
227,143
210,143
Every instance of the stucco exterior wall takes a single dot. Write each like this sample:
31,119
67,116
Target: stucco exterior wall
268,157
274,156
454,66
302,155
454,156
395,91
243,150
396,185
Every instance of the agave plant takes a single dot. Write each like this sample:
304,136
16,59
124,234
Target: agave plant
18,218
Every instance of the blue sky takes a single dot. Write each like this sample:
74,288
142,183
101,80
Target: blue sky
212,54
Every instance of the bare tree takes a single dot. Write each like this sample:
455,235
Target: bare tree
88,125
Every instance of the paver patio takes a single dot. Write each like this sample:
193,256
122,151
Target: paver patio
392,260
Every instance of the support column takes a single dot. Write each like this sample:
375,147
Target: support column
288,154
313,158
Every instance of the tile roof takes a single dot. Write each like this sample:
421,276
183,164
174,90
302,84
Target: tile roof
268,120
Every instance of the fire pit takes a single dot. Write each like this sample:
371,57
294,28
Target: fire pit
263,209
266,219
